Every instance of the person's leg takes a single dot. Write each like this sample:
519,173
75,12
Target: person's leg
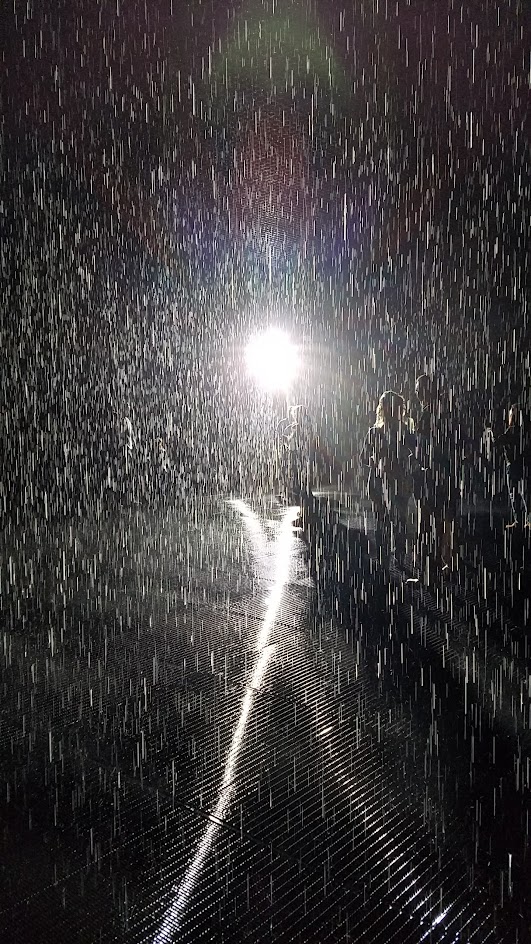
426,528
434,537
446,539
444,512
514,503
524,488
398,506
430,525
380,517
295,485
450,550
382,533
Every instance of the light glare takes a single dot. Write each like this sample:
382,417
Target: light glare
272,360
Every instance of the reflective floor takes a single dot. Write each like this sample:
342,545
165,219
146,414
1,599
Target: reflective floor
207,736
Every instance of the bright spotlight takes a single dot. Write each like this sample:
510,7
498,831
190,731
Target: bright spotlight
272,360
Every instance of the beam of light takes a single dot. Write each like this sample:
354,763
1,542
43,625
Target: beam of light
272,360
283,552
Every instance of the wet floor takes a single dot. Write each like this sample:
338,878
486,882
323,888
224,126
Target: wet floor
200,744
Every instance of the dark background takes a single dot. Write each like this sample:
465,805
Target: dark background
176,174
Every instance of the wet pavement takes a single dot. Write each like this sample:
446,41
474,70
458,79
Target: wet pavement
199,743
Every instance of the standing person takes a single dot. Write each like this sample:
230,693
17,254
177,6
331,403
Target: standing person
309,461
388,453
303,456
299,449
516,444
127,459
295,465
438,448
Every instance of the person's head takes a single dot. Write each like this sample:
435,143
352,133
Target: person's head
427,389
513,418
295,412
390,409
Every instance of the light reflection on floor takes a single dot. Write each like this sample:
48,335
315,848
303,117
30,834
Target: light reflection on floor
282,560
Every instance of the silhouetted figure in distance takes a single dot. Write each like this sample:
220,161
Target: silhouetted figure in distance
516,444
388,453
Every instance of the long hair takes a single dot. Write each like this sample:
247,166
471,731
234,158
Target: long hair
386,408
518,418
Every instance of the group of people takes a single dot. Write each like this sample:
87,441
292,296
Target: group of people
422,457
418,460
140,466
412,458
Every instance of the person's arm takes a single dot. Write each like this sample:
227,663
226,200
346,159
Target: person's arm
367,452
503,439
285,431
412,453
